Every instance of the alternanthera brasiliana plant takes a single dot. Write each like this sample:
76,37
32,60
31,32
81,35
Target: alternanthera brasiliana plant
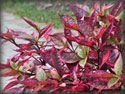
86,56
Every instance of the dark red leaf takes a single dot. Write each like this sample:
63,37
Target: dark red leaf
86,18
11,84
6,35
72,66
116,8
4,66
47,57
100,74
93,19
82,41
93,55
119,30
69,57
78,12
67,33
31,23
68,21
107,32
107,57
85,28
102,30
56,61
101,84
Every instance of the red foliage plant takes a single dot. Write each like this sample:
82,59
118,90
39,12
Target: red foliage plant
87,56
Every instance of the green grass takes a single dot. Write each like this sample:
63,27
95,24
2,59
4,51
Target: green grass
28,9
31,12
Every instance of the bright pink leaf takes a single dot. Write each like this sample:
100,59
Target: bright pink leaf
31,23
43,30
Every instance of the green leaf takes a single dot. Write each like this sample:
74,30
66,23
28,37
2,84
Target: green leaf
83,51
118,66
99,18
83,62
40,74
112,82
13,65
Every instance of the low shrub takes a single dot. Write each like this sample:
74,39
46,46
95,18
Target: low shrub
87,56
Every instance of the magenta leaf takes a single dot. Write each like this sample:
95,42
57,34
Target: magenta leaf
93,19
31,23
47,33
43,30
116,8
119,31
69,57
78,12
107,32
11,84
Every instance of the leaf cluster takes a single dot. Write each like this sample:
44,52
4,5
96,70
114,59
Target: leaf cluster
86,56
